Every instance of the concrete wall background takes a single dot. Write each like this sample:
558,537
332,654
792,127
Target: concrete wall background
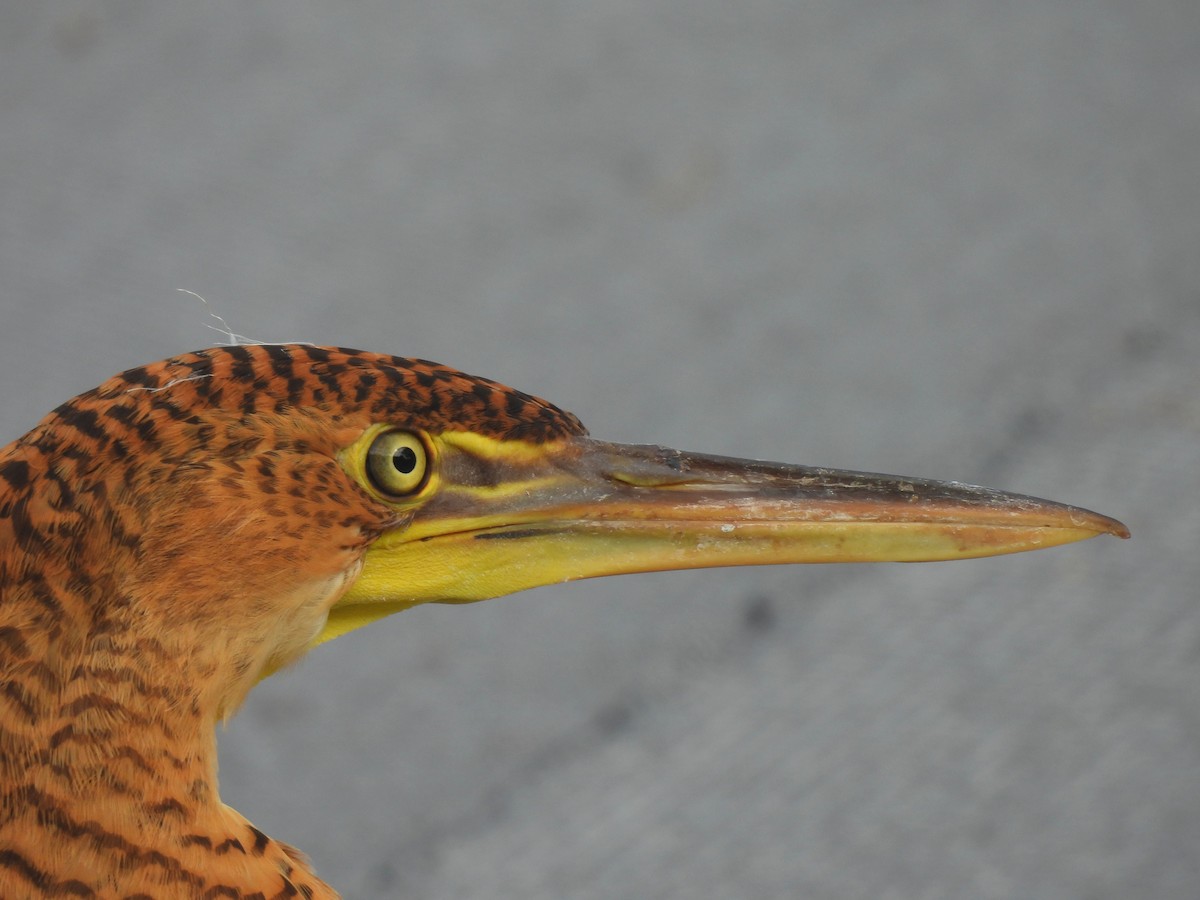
958,240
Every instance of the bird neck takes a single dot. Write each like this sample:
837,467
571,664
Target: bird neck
108,753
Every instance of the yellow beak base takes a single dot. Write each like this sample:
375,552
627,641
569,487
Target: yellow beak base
507,516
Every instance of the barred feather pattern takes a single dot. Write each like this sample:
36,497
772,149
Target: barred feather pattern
164,539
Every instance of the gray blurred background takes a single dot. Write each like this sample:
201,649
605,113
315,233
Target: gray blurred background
951,239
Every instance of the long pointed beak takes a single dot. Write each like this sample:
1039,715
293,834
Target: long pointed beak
502,517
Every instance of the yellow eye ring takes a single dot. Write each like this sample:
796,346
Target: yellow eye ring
397,463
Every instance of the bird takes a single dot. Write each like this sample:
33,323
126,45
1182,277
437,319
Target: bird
177,534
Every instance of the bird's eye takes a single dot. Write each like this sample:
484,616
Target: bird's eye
397,463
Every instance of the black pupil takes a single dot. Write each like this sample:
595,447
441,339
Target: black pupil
405,460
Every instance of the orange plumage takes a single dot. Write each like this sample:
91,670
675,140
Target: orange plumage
169,538
157,539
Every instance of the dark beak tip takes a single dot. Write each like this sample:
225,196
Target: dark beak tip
1102,524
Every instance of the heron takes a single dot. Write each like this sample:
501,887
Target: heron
177,534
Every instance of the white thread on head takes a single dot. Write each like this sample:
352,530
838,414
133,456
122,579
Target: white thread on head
235,339
169,384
